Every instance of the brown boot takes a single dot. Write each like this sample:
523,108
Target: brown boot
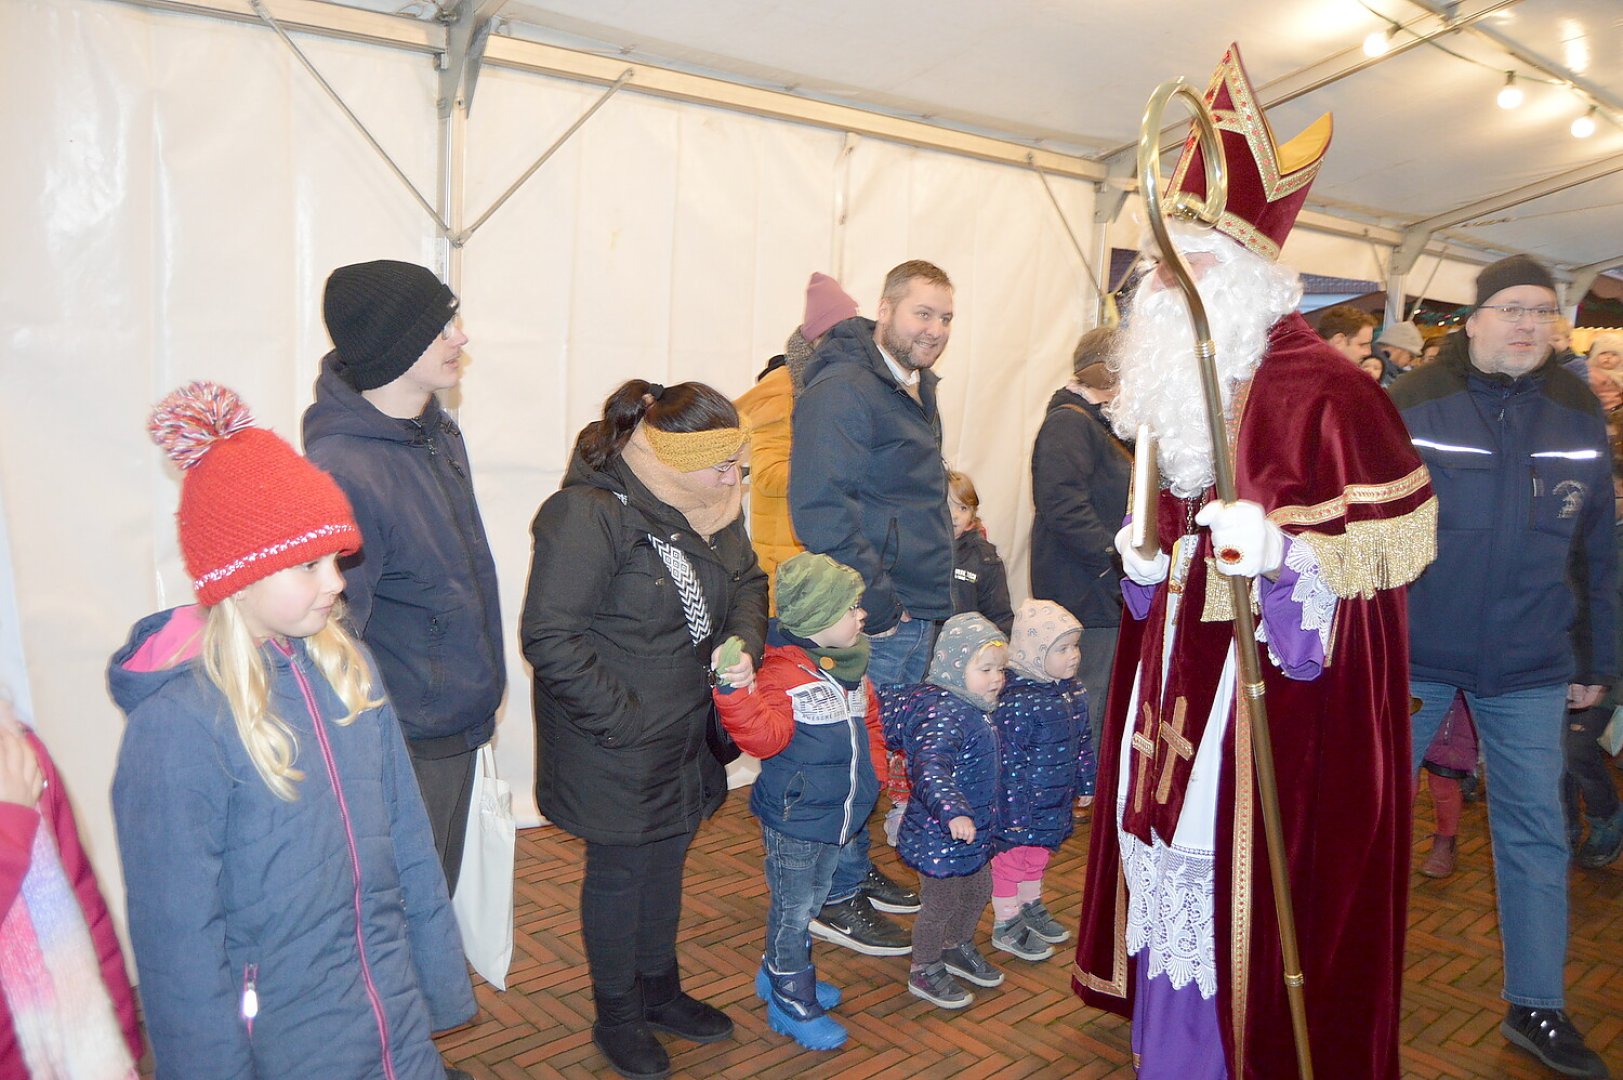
1440,863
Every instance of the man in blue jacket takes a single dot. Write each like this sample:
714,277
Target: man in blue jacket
422,592
867,486
1521,464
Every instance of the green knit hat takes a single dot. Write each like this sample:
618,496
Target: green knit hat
814,593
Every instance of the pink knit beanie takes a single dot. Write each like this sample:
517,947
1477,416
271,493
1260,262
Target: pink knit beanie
826,304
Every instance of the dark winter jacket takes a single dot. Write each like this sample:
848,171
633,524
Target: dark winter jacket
1522,471
866,482
952,760
818,742
622,698
1080,473
1047,760
978,581
422,589
332,905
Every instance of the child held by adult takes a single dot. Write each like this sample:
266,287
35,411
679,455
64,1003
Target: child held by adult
944,726
67,1009
286,905
1047,763
812,716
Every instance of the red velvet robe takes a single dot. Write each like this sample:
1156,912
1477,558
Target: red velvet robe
1320,447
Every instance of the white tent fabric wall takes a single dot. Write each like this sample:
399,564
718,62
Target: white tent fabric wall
177,194
181,188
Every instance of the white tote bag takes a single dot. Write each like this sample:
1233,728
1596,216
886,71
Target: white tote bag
484,886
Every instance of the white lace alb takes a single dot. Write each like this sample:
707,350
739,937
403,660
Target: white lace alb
1170,910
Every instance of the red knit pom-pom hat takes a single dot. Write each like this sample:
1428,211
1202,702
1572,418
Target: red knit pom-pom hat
249,504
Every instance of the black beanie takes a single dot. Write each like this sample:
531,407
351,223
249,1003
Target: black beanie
1509,273
382,315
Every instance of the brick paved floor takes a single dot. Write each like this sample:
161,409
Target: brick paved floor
1032,1026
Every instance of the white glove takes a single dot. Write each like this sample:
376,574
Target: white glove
1152,572
1244,542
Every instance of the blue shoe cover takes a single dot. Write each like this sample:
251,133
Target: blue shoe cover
821,1033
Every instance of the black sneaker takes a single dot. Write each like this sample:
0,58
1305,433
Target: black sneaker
887,895
966,962
1548,1035
858,927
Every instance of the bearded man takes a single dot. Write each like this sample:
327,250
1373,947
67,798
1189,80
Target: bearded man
868,488
1335,516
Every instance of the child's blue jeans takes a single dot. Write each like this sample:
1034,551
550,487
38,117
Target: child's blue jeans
799,873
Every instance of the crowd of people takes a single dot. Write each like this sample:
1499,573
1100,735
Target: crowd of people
298,759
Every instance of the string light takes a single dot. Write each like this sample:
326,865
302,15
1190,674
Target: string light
1510,95
1377,43
1584,126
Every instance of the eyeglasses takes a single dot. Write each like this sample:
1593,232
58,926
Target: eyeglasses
725,467
1513,313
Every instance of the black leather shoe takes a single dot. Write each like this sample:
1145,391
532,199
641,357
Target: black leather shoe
858,927
626,1039
1548,1035
668,1009
887,895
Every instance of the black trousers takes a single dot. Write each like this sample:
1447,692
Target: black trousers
1589,775
630,905
447,787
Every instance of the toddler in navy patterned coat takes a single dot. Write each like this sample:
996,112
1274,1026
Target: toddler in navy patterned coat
945,728
1042,722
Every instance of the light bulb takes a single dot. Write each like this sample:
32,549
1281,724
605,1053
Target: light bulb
1510,95
1377,43
1584,126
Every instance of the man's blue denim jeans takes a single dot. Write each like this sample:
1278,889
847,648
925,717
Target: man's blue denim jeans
798,873
1522,734
903,657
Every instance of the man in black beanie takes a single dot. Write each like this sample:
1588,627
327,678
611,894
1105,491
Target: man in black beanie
1519,458
422,590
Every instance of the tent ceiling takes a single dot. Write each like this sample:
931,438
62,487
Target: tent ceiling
1417,134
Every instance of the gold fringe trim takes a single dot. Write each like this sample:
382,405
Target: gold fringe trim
1376,555
1369,557
1366,494
1218,605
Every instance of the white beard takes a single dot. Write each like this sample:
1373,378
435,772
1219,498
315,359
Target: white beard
1155,353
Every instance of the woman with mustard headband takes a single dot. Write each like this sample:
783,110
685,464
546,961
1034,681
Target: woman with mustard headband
641,571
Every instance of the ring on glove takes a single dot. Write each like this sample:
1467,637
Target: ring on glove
1229,555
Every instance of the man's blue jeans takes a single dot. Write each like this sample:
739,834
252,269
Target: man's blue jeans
1522,734
901,656
798,873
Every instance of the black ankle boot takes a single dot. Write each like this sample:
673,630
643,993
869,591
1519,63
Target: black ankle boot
625,1038
668,1009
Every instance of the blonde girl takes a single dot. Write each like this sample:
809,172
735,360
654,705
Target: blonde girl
286,906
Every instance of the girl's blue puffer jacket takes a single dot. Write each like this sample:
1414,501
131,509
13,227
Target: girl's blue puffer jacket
952,759
1047,760
332,908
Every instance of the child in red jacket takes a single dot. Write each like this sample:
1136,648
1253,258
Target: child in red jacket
812,717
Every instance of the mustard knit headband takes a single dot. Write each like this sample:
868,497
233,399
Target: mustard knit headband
689,451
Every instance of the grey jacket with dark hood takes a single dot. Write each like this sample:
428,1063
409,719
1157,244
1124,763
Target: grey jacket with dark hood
422,589
622,701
